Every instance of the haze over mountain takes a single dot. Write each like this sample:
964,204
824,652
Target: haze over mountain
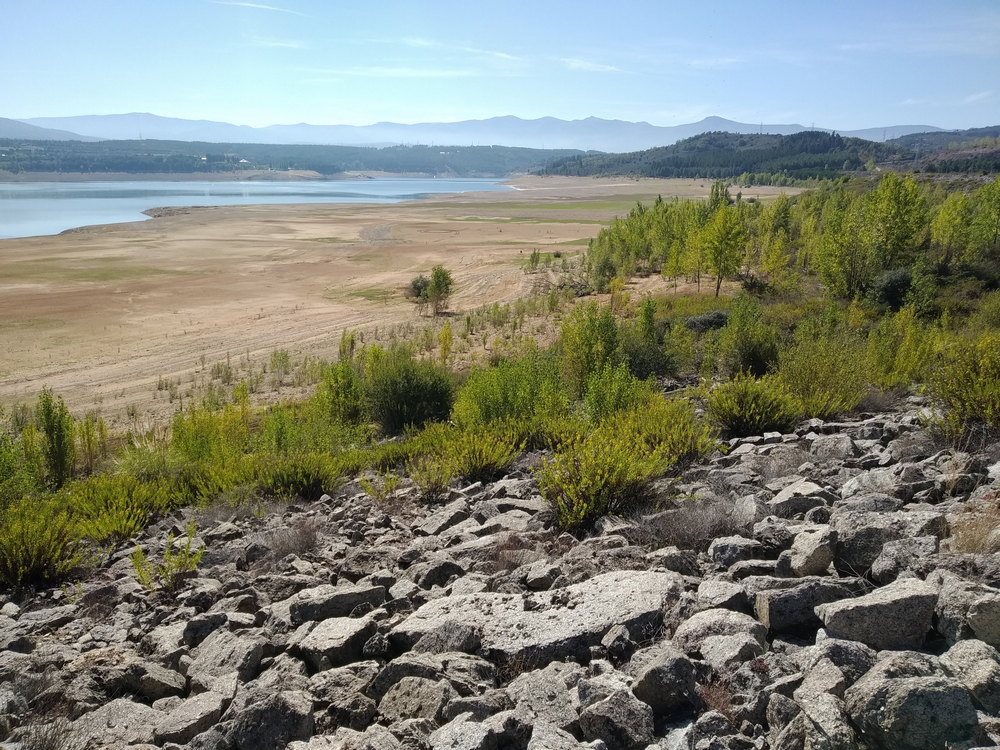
23,130
592,133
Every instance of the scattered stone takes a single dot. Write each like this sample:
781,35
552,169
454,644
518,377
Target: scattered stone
893,617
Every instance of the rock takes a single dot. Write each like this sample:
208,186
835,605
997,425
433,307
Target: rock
450,636
862,535
621,721
116,724
794,608
223,652
468,675
547,695
911,713
900,555
851,658
897,616
834,447
504,730
723,594
977,666
335,642
797,498
416,697
190,718
451,514
273,722
812,551
152,682
664,678
710,622
727,550
324,602
544,736
559,624
199,627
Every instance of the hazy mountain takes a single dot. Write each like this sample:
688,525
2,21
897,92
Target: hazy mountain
592,133
18,129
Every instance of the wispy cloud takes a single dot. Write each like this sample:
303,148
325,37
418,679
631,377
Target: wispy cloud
395,71
423,43
574,63
259,6
979,96
268,43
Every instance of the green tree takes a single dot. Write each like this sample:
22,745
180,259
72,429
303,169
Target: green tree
896,217
951,229
439,289
724,238
987,220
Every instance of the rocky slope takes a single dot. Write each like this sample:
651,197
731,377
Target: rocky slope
807,590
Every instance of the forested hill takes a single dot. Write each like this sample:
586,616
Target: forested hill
178,157
810,154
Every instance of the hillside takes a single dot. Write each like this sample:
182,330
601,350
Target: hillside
179,157
721,155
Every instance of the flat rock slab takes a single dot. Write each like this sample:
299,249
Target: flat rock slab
560,624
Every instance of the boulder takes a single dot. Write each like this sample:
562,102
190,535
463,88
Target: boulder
911,713
621,721
274,722
559,624
116,724
416,697
664,678
794,608
977,666
223,652
712,622
547,695
190,718
812,551
897,616
861,535
335,642
326,601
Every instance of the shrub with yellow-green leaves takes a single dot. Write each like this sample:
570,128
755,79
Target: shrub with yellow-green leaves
40,543
747,406
114,507
827,374
964,387
609,470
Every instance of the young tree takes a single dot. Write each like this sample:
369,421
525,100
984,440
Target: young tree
58,446
725,237
439,289
951,229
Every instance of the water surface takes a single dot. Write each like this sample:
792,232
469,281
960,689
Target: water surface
29,209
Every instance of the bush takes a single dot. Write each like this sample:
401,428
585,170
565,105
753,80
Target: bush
402,392
16,477
178,558
339,395
901,350
645,357
707,321
747,343
40,544
965,388
891,287
827,374
432,475
592,476
611,389
747,406
114,507
300,475
668,426
516,390
589,339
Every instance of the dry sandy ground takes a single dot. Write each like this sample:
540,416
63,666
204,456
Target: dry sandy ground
100,314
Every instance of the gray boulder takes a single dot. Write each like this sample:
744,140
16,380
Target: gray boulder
896,616
692,633
664,678
326,601
621,721
977,666
547,695
912,713
559,624
812,551
223,652
335,642
192,717
274,722
416,698
794,608
861,535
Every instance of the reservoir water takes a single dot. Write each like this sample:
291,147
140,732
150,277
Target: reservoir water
28,209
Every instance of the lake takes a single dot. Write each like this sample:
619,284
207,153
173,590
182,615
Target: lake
29,209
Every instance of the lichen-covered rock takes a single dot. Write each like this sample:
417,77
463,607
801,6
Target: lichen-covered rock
621,721
896,616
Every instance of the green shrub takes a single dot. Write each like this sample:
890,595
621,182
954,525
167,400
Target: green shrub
178,558
16,477
901,349
40,544
669,426
611,389
432,475
679,347
57,430
114,507
484,454
645,357
298,475
589,339
747,343
964,387
827,374
403,392
749,406
515,389
604,472
340,393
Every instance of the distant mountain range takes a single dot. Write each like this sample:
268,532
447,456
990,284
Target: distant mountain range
590,134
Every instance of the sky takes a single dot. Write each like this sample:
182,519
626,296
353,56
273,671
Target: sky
840,64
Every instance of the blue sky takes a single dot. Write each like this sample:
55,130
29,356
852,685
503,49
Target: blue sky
842,64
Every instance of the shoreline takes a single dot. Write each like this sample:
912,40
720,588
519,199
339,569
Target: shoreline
250,175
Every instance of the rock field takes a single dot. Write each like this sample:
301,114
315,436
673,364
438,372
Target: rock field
833,588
